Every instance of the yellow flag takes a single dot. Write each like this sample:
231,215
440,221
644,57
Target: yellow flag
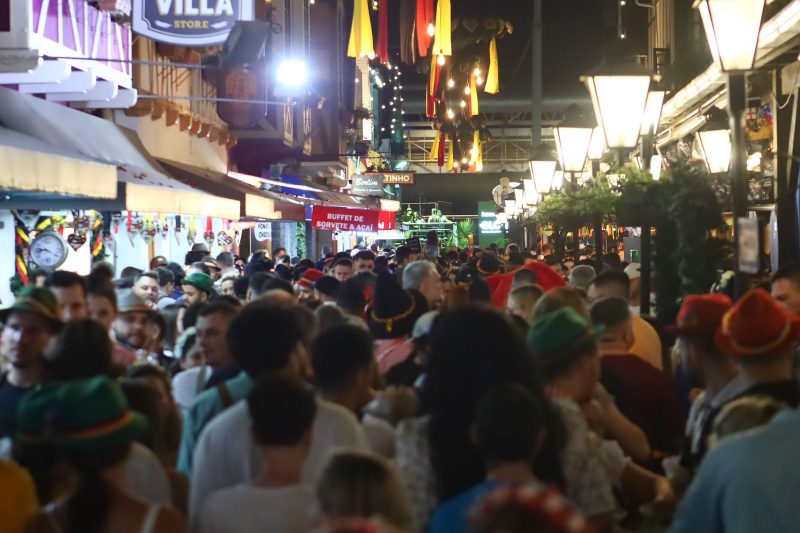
361,43
473,95
492,77
442,30
450,156
434,155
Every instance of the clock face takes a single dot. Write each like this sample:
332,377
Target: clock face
48,250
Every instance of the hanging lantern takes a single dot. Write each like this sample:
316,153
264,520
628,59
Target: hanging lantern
573,136
652,112
619,95
597,146
732,28
542,167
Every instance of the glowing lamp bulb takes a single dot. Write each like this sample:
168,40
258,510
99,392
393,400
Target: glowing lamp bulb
431,29
440,60
451,83
450,114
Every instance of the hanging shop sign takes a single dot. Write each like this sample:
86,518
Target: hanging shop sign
352,220
368,184
263,231
189,22
489,228
395,178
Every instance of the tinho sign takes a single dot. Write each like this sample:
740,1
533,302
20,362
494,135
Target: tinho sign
189,22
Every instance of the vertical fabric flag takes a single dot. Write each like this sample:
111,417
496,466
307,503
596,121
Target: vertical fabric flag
382,50
433,89
473,96
424,22
361,32
407,37
434,155
443,30
451,155
492,77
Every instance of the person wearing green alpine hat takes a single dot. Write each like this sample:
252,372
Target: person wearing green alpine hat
93,428
197,288
30,323
564,346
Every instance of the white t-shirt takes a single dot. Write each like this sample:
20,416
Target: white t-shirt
146,478
225,455
249,509
188,384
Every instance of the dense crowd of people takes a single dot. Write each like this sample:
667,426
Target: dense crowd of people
396,390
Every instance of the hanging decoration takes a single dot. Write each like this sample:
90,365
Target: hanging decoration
179,227
407,35
164,227
442,37
135,226
76,240
424,28
149,231
116,218
382,49
493,75
22,241
209,236
361,44
192,233
224,240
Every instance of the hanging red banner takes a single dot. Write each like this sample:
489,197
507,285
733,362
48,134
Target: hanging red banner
358,220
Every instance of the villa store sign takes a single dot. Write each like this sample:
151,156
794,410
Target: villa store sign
189,22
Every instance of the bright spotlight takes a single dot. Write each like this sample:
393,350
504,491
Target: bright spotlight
292,72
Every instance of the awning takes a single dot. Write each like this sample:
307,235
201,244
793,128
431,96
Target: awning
32,165
59,128
255,202
778,35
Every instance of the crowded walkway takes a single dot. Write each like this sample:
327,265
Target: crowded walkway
389,390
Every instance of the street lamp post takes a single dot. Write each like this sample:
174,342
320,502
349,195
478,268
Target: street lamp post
620,95
732,29
573,136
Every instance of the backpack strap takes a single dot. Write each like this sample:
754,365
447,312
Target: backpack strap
225,395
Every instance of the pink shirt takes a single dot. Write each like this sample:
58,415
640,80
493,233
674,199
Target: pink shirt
390,352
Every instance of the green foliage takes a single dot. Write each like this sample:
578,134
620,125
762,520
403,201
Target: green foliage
464,229
302,251
574,209
681,206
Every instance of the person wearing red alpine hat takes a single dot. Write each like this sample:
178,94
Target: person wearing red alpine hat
708,367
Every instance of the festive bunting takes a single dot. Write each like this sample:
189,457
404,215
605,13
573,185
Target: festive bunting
423,25
492,76
442,38
361,32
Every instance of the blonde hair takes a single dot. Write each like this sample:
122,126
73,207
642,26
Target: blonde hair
744,414
555,299
361,484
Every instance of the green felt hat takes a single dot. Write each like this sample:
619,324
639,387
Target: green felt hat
35,409
200,281
93,414
37,300
559,332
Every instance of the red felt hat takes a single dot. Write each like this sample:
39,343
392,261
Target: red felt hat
757,325
701,315
310,278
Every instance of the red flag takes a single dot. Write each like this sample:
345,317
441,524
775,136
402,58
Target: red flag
382,48
425,17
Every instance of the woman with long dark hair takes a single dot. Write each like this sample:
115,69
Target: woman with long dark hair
473,349
93,428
